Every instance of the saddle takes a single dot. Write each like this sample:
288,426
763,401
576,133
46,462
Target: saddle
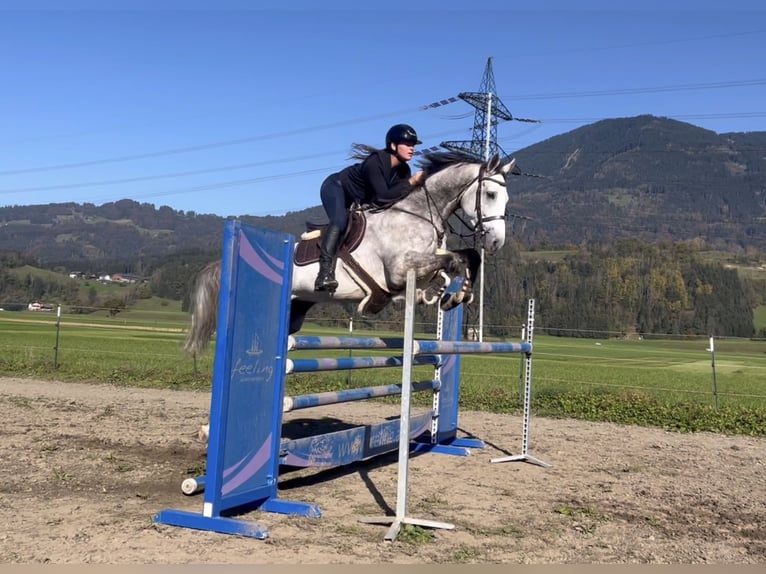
307,252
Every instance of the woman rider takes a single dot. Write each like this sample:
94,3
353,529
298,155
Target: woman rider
383,177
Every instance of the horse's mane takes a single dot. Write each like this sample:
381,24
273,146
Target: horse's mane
435,161
430,162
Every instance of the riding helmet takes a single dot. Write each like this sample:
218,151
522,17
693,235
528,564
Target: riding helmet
402,133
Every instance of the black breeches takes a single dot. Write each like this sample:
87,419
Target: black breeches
334,202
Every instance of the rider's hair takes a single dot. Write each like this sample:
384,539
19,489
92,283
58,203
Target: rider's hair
361,151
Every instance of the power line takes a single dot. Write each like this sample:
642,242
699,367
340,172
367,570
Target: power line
227,143
166,175
651,90
433,105
732,115
658,42
237,182
219,169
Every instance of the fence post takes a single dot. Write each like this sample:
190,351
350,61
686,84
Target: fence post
58,329
712,364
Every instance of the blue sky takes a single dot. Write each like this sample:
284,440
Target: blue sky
226,108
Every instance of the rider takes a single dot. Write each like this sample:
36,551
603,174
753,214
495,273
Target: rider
383,177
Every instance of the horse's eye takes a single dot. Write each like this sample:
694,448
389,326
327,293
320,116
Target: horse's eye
491,195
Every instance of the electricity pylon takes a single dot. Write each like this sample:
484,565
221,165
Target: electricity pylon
483,145
489,110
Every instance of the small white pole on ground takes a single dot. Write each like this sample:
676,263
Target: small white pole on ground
401,517
525,456
193,485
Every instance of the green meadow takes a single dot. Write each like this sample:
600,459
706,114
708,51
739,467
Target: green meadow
676,383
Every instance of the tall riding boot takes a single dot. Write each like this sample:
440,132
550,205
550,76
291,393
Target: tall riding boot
328,251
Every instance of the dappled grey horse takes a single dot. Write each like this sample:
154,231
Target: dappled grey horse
411,234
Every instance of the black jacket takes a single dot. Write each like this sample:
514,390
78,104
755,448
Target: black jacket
375,181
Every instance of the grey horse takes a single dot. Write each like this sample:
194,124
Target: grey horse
412,233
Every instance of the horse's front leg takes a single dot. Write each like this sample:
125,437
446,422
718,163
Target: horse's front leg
460,289
463,293
426,265
435,269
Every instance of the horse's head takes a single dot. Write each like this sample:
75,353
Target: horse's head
485,200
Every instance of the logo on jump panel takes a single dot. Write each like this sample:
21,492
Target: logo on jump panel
255,347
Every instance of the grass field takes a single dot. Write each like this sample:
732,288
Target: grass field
645,381
759,318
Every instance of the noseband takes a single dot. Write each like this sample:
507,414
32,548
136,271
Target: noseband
480,221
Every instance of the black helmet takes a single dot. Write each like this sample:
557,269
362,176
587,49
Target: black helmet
401,133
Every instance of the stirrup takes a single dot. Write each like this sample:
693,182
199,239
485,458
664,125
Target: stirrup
326,284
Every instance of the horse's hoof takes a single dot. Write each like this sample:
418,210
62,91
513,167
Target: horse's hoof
434,291
428,300
449,303
422,297
451,300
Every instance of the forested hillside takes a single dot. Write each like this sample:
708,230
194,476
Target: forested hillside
628,288
636,201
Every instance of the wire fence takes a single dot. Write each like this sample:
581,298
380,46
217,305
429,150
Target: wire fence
728,370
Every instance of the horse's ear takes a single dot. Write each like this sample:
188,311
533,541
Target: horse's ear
508,167
493,163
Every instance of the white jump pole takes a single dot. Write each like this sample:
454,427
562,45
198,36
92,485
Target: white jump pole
401,516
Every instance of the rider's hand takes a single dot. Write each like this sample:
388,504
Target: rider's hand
417,179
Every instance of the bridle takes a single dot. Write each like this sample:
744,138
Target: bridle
480,221
478,229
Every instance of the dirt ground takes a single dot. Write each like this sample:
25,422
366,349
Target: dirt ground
86,467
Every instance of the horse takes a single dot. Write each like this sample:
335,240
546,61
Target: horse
411,233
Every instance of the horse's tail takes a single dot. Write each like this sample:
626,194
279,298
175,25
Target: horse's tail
204,306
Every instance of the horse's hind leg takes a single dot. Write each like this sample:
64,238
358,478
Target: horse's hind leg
298,310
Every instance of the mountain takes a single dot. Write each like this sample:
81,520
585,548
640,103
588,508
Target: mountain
644,177
647,178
